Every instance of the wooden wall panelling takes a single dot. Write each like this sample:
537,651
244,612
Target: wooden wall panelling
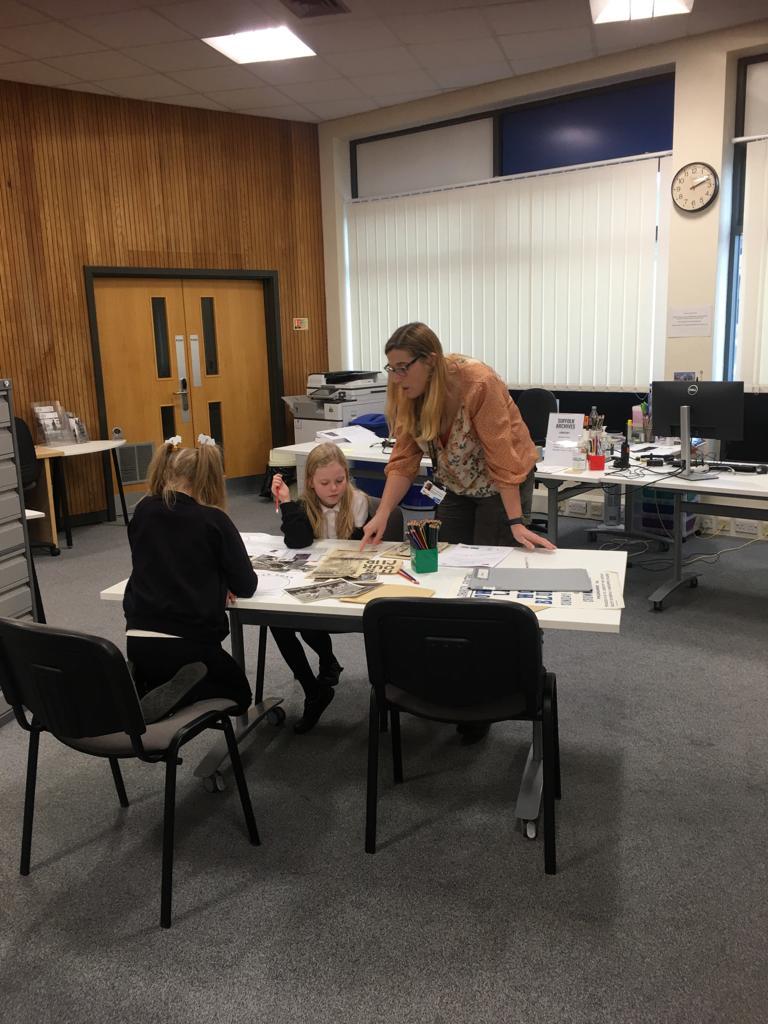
99,181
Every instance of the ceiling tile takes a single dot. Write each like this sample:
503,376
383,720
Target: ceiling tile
538,16
335,89
64,9
342,36
406,97
91,66
182,56
12,14
8,56
35,73
575,44
129,28
471,74
629,35
329,109
88,87
471,51
50,39
373,62
202,18
303,69
240,99
383,8
426,28
143,87
394,85
233,76
289,112
527,65
194,99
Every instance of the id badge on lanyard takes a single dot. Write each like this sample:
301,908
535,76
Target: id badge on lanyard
433,489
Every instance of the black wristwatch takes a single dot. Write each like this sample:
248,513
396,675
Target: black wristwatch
516,521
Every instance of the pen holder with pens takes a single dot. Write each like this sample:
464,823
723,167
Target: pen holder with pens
422,538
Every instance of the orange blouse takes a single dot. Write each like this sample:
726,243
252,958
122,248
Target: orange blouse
488,445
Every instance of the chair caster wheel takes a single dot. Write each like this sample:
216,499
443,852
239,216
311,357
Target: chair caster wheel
275,716
214,783
529,829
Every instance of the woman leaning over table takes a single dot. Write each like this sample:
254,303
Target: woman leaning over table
457,411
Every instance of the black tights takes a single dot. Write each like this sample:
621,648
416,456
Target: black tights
289,645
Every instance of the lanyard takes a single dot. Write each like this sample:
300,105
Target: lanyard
432,449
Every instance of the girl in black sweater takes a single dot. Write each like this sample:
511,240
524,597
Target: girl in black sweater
188,560
329,508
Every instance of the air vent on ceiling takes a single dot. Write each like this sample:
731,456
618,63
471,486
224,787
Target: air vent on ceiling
315,8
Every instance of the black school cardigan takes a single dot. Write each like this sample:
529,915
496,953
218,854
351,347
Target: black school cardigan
298,529
186,558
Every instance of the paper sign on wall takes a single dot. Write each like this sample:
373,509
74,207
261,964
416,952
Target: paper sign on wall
301,323
690,322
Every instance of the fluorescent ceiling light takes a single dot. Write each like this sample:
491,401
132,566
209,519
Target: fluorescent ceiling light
261,44
604,11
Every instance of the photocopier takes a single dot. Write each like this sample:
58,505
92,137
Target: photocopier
335,398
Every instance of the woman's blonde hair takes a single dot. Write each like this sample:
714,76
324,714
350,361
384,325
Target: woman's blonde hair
324,455
418,417
200,469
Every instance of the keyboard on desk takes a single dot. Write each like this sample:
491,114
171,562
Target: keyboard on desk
740,467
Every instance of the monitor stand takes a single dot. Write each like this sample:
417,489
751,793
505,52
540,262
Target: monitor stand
687,471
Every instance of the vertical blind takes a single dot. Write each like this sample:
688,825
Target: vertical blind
551,279
751,363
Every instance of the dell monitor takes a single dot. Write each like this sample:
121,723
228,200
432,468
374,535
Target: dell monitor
686,409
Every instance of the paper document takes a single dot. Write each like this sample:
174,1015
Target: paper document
605,594
471,555
257,544
277,582
349,435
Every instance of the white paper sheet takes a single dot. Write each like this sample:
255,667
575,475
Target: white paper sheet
268,544
277,582
470,555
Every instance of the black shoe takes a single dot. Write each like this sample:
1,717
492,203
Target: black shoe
329,674
472,732
313,709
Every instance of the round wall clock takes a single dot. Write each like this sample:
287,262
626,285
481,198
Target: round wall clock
695,187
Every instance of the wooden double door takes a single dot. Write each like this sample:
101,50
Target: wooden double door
185,357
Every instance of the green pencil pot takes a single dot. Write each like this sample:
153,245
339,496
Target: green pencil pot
424,559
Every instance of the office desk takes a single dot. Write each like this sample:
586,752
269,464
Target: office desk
734,486
353,452
335,616
56,484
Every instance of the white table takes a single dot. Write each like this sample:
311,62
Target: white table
733,486
335,616
66,451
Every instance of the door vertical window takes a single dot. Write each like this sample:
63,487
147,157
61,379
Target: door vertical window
209,335
215,425
168,420
160,329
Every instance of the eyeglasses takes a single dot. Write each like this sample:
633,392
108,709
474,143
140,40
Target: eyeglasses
402,368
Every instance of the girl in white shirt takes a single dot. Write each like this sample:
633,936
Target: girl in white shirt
330,508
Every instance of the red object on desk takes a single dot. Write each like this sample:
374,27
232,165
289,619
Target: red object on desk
596,461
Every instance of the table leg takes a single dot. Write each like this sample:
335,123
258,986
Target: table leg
61,500
553,486
119,479
679,578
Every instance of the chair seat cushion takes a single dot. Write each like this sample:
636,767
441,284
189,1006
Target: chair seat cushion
155,740
512,706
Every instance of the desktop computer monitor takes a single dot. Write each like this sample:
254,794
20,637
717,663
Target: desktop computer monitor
717,408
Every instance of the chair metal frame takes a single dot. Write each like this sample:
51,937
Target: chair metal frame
460,629
35,682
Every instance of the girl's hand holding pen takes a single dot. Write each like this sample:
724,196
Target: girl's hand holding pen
280,491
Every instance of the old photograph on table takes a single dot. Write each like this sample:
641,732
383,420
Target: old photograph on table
325,590
354,565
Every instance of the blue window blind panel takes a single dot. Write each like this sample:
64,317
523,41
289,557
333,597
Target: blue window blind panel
589,127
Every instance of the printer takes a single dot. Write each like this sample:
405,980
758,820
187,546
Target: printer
335,398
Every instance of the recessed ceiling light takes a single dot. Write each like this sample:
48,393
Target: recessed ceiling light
261,44
604,11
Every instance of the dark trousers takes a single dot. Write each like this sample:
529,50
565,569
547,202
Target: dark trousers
289,645
156,659
467,520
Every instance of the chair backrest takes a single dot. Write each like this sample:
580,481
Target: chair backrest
395,528
29,464
74,684
456,652
535,405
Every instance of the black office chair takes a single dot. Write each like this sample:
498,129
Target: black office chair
458,661
395,529
535,405
78,688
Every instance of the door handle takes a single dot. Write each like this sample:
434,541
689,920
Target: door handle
184,396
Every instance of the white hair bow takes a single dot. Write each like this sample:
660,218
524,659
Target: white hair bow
174,441
205,439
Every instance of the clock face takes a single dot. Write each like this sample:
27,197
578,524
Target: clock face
694,187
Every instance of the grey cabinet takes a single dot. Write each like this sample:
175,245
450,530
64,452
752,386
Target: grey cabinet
16,570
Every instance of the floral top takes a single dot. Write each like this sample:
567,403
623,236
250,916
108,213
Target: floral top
488,445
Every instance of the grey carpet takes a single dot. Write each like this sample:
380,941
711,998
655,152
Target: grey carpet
657,914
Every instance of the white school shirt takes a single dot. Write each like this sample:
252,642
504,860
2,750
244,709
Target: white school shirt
359,516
